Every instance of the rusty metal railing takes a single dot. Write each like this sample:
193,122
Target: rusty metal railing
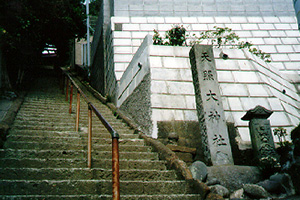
114,135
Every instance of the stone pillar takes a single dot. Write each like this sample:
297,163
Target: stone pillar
214,135
262,138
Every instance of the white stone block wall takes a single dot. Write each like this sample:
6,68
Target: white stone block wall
245,81
135,72
202,7
278,36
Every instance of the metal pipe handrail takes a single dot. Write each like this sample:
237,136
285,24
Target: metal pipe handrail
114,134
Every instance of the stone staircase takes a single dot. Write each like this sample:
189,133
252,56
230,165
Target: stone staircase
44,158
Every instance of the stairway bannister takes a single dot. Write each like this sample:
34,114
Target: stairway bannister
114,134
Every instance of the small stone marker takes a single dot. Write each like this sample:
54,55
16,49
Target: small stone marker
214,135
261,137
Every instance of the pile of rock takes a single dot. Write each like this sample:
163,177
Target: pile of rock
242,182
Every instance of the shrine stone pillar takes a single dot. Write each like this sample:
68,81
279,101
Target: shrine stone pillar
262,138
215,143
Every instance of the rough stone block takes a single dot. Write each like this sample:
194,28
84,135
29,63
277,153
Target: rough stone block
120,20
173,20
225,76
269,48
162,51
284,19
156,20
273,41
235,104
189,20
271,19
206,20
246,77
249,26
181,88
234,27
138,20
122,50
277,33
227,64
122,42
159,87
280,57
260,33
258,90
255,19
172,62
266,26
234,90
222,19
131,27
290,41
148,27
279,119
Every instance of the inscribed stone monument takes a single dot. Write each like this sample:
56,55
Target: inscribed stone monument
214,135
261,137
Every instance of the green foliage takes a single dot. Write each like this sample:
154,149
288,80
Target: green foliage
281,135
95,6
30,24
219,37
157,39
176,36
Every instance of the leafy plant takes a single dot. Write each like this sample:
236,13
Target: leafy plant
281,135
157,39
176,36
219,37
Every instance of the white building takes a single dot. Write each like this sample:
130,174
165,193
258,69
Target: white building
153,83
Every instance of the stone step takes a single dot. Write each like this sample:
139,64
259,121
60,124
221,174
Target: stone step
54,116
62,109
38,96
83,174
69,140
44,133
62,118
72,187
64,122
55,113
34,103
105,197
80,163
57,127
44,154
51,112
50,105
63,146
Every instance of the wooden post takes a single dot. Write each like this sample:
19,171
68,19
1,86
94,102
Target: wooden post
67,89
90,138
115,169
71,99
77,111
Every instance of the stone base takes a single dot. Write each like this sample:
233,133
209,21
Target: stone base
233,177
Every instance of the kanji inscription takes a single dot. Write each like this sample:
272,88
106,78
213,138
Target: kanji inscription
205,57
214,135
211,95
207,75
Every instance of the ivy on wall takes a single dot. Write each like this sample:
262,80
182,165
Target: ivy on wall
219,37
